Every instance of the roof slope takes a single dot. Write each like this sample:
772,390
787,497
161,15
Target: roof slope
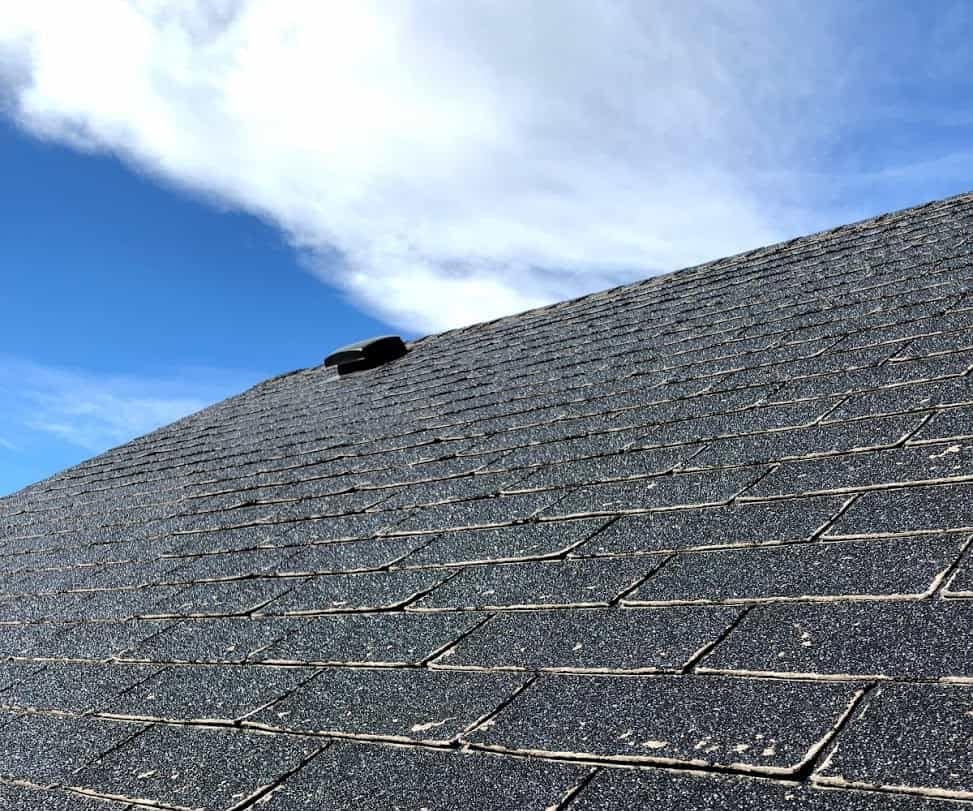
701,542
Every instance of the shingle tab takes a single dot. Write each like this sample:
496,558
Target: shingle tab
859,639
73,687
49,749
639,640
24,798
618,790
914,736
355,592
761,726
946,507
373,777
391,638
520,542
432,706
543,584
194,767
685,490
884,568
746,524
206,693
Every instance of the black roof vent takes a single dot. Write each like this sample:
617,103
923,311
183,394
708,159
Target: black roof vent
366,354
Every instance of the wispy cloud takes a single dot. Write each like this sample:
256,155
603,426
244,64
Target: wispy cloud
449,162
93,411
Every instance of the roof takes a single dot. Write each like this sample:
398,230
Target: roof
699,542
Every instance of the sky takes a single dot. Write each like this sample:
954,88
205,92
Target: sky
199,195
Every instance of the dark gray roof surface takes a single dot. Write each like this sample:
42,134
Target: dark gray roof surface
701,542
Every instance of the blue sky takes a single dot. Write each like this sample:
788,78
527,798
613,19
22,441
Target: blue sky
198,195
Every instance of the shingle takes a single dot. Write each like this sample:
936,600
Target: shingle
392,638
913,736
98,640
477,513
776,445
742,524
892,567
637,640
122,605
74,687
12,673
623,789
763,726
233,639
869,469
194,767
604,468
681,490
900,640
875,377
206,692
352,556
346,527
914,397
222,599
49,749
519,542
227,565
356,592
22,798
956,423
961,583
371,777
540,584
912,509
416,705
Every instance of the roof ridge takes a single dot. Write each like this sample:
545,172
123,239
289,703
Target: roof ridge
719,261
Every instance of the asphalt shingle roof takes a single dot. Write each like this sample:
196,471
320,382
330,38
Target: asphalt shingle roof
700,542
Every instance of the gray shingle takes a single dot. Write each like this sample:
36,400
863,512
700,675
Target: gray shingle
956,423
902,640
208,640
355,592
49,749
352,556
764,726
908,736
637,640
540,584
620,790
194,767
911,509
874,568
388,638
519,542
870,469
681,490
411,705
206,692
478,513
73,686
833,438
373,777
23,798
742,524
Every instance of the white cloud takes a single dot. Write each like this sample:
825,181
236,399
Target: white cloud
446,162
95,411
